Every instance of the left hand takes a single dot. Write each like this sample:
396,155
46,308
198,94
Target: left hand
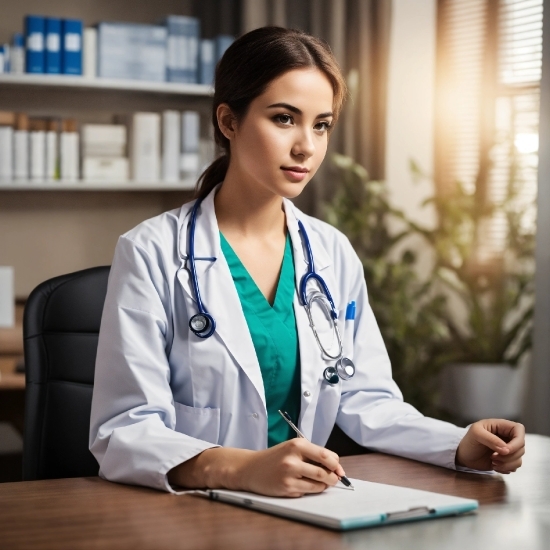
493,444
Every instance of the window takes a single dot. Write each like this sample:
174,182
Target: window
489,67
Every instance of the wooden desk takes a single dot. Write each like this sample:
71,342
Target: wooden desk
91,513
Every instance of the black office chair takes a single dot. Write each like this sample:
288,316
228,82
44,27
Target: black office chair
60,328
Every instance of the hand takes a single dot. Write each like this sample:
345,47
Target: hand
290,469
493,444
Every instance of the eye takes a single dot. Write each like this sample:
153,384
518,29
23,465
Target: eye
285,120
323,126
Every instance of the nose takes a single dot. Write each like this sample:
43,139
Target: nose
304,145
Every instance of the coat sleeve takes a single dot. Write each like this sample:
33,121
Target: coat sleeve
372,411
133,419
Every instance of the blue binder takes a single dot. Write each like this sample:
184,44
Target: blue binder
208,62
53,45
34,32
182,62
71,48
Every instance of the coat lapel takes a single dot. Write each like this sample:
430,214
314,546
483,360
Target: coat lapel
218,292
221,300
312,362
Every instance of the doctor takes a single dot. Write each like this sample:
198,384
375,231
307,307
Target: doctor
206,328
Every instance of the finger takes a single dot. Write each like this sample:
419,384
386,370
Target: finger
518,438
508,467
482,435
503,463
322,456
503,459
319,474
512,432
299,487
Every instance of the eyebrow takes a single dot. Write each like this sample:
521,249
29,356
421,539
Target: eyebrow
296,110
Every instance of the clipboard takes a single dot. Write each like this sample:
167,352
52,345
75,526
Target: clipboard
342,509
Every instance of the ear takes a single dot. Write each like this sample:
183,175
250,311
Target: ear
226,120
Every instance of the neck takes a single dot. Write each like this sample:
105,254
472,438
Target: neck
248,210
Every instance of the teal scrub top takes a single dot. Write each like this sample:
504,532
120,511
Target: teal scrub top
273,331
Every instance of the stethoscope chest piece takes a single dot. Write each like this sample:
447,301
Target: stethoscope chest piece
202,324
345,368
331,376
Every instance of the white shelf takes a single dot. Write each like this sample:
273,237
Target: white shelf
81,82
186,185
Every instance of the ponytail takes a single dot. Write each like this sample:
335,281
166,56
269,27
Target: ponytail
213,175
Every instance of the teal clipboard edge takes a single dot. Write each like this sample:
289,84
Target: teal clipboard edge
376,520
382,519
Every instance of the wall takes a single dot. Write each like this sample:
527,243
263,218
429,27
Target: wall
410,104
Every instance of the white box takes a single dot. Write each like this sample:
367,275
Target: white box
89,53
171,146
103,150
105,169
7,297
103,133
190,164
145,147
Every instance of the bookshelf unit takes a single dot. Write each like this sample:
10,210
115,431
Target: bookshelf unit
53,227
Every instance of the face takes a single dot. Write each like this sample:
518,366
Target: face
281,142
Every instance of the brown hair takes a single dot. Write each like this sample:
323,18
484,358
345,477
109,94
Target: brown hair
246,69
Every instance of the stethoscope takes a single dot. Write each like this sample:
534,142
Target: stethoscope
203,325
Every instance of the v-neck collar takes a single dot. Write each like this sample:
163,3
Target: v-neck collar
284,292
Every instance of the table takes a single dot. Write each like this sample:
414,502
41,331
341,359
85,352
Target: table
92,513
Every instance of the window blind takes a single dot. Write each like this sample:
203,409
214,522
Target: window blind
489,70
515,152
461,43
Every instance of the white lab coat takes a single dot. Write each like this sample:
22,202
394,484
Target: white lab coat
162,395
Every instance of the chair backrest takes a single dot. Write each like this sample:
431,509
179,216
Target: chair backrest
61,328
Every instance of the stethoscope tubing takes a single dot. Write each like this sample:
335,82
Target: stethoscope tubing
331,374
312,275
194,278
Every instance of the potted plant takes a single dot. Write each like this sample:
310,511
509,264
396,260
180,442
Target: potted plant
410,315
493,291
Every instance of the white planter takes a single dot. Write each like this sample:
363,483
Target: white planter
472,391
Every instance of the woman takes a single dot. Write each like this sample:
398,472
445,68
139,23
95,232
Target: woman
205,334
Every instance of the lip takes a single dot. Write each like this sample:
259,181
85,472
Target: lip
295,174
295,169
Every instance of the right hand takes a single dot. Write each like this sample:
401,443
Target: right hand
290,469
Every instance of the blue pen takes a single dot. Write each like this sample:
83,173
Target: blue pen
288,420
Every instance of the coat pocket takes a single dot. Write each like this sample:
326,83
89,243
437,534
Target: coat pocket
199,423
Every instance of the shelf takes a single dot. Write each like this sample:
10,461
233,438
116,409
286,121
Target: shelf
186,185
80,82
